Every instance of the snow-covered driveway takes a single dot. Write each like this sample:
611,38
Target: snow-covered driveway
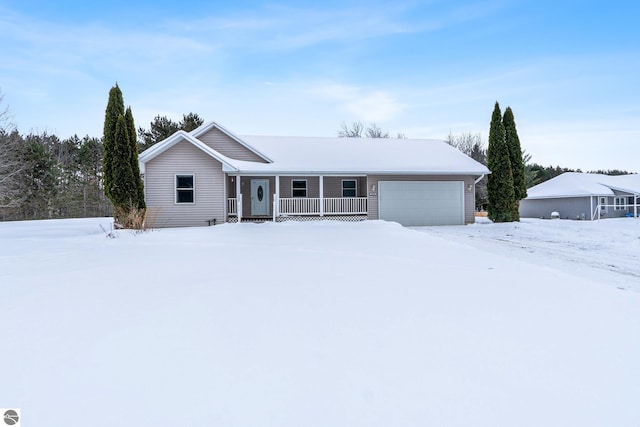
607,251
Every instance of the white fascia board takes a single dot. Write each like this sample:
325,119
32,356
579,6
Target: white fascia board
292,173
263,172
566,196
162,146
181,135
208,126
623,190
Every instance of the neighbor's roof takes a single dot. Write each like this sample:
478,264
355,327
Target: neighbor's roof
576,184
358,155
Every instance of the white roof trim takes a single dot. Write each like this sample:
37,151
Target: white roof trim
177,137
569,196
208,126
353,172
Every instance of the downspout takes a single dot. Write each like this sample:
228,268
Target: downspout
479,179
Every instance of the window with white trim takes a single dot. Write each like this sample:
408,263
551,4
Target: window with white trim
349,188
620,203
298,188
185,188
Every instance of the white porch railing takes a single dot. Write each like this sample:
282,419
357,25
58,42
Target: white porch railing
232,206
332,206
299,206
345,205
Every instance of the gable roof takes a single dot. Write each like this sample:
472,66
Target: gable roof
177,137
577,184
206,127
322,155
359,155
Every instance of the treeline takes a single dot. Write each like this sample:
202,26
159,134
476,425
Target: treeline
44,177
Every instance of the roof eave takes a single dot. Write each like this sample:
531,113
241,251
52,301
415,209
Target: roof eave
356,172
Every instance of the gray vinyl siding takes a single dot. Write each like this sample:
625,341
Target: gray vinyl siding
568,207
469,196
313,185
227,146
209,197
332,185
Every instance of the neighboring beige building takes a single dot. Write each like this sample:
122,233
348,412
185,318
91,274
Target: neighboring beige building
211,175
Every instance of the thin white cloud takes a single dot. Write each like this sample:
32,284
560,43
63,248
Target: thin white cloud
371,105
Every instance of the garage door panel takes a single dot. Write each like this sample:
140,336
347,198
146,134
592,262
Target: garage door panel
415,203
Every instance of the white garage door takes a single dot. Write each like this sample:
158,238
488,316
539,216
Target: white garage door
413,203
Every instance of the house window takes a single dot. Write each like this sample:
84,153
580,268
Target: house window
299,188
621,203
349,188
185,188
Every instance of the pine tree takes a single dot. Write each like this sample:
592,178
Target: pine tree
517,164
133,158
115,109
500,192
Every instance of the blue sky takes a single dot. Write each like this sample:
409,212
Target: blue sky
570,70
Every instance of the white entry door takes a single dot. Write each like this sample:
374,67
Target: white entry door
413,203
259,197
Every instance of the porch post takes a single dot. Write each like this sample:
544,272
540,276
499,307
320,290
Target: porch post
591,202
238,199
321,179
635,205
276,199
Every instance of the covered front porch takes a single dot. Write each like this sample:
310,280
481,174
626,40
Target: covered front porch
285,197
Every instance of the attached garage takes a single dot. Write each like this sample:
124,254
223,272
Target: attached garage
416,203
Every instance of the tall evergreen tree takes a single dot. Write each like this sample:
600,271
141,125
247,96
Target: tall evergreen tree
133,158
124,191
190,122
115,109
160,128
517,163
123,185
500,192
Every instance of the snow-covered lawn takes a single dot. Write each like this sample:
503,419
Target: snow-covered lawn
321,324
606,251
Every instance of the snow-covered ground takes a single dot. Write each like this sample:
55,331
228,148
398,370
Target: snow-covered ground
321,324
606,251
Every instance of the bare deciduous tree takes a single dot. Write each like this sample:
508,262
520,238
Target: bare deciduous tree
10,164
471,144
373,131
354,130
357,130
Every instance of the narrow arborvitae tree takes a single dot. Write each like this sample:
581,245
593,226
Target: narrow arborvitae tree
122,182
517,162
115,109
124,191
500,192
133,158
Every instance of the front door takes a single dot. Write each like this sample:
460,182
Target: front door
259,197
